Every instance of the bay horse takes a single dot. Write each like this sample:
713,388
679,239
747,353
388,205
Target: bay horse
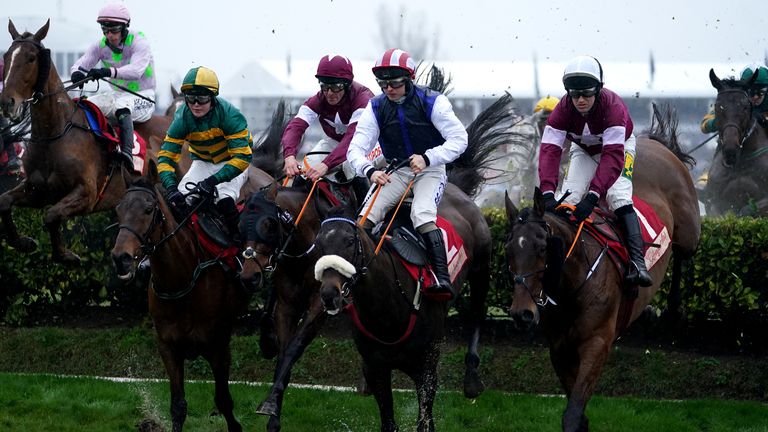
738,175
193,303
581,300
274,245
66,166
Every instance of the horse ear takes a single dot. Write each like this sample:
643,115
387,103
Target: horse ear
716,83
43,32
752,79
511,209
12,30
175,93
272,191
538,202
152,174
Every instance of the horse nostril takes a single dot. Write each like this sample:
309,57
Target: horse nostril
527,316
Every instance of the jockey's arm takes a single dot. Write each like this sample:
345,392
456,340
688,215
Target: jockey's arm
363,141
450,127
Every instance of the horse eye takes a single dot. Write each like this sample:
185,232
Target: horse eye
148,210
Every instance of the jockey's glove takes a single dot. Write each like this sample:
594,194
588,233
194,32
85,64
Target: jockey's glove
207,187
177,201
585,206
78,76
550,203
97,73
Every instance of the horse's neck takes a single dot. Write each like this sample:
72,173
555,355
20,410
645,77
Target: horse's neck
50,115
757,141
178,254
378,295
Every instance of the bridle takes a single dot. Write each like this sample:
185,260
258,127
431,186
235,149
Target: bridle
359,255
158,219
750,129
541,299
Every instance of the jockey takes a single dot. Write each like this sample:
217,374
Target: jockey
337,107
756,94
602,154
126,58
412,123
542,110
219,145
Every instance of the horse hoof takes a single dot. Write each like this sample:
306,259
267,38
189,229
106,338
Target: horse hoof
473,385
25,245
67,258
267,408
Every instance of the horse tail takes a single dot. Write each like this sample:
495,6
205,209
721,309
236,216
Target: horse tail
664,130
484,135
435,78
268,151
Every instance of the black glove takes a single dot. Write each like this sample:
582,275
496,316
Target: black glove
78,76
97,73
176,200
550,203
207,187
585,206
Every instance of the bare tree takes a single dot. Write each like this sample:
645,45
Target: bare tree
407,31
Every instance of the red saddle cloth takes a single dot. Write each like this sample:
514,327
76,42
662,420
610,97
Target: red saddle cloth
102,129
456,256
655,236
227,255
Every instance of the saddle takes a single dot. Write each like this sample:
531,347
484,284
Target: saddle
214,237
107,133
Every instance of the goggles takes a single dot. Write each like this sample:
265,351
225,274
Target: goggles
197,99
395,83
757,91
106,29
334,88
585,93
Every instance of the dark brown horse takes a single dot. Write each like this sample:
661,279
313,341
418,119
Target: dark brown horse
583,324
738,176
193,302
66,166
275,245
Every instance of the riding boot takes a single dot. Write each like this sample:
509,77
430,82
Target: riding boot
125,123
231,216
637,274
437,257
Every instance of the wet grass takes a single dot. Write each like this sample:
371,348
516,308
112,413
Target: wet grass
64,404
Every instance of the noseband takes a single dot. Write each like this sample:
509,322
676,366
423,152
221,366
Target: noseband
750,130
360,271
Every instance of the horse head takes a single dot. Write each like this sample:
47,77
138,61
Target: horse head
340,242
733,115
140,215
534,260
27,66
261,228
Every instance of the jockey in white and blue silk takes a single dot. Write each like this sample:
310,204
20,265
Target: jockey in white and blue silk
602,155
412,123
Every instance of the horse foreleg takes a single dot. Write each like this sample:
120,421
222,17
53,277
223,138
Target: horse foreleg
76,202
221,361
7,200
380,383
267,331
174,367
592,354
479,283
292,352
426,388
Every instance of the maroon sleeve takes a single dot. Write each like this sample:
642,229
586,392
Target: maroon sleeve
292,136
549,165
608,170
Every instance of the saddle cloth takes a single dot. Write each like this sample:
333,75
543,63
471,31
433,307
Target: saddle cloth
213,240
101,128
655,235
455,252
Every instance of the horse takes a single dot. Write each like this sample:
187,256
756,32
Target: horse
738,176
193,303
276,245
580,300
65,164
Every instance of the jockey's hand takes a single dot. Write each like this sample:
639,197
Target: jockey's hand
207,187
314,173
585,206
97,73
380,177
418,163
291,167
177,201
78,76
550,203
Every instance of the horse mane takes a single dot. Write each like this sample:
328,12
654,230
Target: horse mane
268,151
435,78
664,130
142,183
732,82
484,135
